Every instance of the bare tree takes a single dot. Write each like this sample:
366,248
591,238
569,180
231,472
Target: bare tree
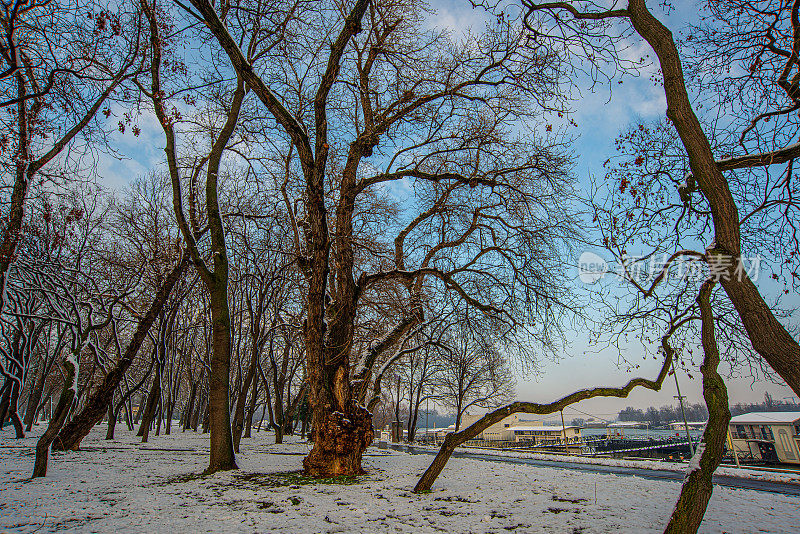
143,230
85,305
340,110
472,372
62,66
768,336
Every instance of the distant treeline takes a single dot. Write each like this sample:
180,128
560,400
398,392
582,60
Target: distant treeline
698,412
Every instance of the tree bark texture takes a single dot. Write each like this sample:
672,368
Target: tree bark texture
59,416
152,403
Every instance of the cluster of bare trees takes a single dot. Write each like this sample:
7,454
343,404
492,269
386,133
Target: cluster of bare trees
269,264
453,361
351,204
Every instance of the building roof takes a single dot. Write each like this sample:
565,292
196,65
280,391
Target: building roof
539,428
765,418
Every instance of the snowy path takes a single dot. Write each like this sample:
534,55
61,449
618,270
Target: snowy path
733,477
123,486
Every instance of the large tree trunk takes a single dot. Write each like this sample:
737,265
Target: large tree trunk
342,430
80,426
58,417
768,336
697,487
340,439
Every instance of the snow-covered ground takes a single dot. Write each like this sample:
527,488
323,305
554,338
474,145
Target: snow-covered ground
741,472
124,486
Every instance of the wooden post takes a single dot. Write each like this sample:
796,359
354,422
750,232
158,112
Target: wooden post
733,447
564,433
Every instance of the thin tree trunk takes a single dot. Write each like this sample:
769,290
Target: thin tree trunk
35,398
251,408
206,421
128,415
160,414
264,412
304,428
152,404
189,411
124,403
198,411
12,411
768,336
5,401
238,418
59,416
112,421
168,420
698,485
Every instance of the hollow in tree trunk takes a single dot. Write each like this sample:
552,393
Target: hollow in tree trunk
342,430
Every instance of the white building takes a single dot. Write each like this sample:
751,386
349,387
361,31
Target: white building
770,436
519,427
